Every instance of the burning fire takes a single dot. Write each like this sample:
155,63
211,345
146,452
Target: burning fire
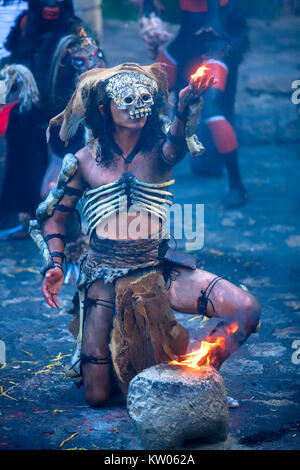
199,72
204,355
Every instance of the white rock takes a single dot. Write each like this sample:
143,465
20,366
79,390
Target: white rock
169,404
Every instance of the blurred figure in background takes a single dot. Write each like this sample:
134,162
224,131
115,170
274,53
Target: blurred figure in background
212,33
50,41
8,14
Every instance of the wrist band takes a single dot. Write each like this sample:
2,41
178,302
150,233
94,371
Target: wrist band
181,116
57,254
53,266
57,265
176,139
55,235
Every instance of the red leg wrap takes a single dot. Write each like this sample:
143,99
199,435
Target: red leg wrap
222,133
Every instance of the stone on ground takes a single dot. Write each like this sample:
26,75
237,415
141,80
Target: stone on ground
169,404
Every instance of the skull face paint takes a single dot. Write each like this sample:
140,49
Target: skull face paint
132,91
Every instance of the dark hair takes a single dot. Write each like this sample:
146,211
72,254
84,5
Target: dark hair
102,127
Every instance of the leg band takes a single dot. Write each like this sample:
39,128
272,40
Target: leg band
94,360
85,359
89,302
204,298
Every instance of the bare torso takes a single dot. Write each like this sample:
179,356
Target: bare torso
146,167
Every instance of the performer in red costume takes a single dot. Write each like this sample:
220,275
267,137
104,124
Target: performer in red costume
212,33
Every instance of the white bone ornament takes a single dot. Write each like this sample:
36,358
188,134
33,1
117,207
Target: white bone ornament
127,191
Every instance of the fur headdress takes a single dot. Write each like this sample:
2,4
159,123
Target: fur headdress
90,85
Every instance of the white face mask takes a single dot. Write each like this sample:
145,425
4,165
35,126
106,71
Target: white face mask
132,91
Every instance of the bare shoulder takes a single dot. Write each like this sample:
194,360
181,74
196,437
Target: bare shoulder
83,155
86,165
85,160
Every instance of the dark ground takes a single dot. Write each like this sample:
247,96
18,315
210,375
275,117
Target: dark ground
257,245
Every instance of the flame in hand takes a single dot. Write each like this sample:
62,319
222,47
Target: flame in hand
199,72
207,351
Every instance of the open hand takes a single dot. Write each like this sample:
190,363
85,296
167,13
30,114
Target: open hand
51,285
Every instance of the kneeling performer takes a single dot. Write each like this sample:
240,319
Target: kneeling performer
125,170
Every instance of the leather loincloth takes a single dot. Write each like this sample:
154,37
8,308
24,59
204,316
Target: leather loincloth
145,330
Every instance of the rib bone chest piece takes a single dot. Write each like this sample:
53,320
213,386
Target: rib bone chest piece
123,193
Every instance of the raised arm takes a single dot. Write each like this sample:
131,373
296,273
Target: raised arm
186,118
49,230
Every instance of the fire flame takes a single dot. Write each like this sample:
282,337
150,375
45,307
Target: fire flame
204,354
199,72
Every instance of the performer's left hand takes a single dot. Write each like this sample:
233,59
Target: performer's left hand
196,88
51,286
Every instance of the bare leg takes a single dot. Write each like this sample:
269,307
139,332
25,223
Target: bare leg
96,364
188,292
